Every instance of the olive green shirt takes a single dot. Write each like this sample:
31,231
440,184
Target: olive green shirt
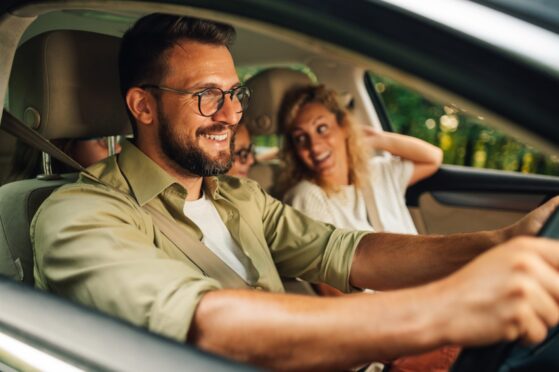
95,244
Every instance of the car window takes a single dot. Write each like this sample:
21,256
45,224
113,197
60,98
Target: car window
465,139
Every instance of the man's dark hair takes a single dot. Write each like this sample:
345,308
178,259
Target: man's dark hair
141,57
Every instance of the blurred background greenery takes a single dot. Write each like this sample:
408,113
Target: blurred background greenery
465,139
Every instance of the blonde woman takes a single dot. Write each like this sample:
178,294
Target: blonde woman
330,170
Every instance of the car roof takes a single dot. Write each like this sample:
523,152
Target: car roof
544,13
431,52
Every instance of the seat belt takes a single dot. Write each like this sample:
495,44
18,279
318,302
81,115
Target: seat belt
192,248
15,127
196,251
372,210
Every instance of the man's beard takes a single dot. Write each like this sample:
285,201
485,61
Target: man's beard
188,155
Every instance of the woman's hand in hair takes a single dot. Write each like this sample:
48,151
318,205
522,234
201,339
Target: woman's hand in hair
425,157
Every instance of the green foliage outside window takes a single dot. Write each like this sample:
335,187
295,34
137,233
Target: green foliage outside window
464,139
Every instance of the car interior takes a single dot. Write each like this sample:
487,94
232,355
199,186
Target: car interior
46,85
46,93
63,84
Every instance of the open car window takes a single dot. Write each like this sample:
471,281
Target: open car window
466,138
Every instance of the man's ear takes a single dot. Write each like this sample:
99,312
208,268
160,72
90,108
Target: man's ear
141,104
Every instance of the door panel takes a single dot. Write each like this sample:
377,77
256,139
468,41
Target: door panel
441,218
462,199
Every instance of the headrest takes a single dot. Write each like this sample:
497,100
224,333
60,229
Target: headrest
65,84
268,88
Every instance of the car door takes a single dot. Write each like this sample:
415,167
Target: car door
490,179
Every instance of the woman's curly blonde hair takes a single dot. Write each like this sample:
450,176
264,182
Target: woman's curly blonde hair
295,169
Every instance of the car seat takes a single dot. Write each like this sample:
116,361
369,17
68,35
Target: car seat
7,148
267,90
64,84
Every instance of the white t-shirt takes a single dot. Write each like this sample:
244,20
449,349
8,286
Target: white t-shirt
388,177
216,235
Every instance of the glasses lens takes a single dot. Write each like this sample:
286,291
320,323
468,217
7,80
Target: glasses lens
243,154
242,95
211,100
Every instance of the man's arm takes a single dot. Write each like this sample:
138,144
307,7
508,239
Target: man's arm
95,246
391,261
509,292
386,261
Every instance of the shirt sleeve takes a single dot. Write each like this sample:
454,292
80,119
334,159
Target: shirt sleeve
305,248
95,247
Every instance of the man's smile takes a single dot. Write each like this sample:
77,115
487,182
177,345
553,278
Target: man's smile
217,137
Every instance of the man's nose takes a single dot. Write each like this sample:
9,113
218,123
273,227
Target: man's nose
228,113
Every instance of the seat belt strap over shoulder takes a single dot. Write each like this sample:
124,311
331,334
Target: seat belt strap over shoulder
370,204
196,251
13,126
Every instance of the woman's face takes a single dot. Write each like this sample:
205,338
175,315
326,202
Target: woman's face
243,157
320,143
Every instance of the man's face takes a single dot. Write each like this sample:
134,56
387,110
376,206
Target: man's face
198,144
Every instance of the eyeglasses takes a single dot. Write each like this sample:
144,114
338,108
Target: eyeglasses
211,100
244,153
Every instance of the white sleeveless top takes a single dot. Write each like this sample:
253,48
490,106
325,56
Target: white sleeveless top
388,177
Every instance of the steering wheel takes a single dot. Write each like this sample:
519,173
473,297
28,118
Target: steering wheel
516,356
512,357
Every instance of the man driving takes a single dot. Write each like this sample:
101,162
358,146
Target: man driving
98,241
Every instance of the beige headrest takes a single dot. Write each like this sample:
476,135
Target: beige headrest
268,88
65,85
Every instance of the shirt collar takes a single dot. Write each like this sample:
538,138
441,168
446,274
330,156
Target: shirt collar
211,187
147,179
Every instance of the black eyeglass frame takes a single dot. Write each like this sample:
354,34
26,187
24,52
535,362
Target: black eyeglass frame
200,93
244,153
